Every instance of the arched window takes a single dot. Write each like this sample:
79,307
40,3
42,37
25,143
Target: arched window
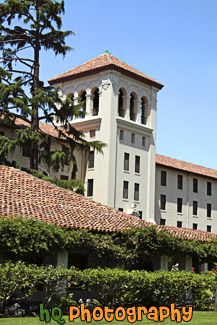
71,96
96,102
132,107
121,108
83,107
143,110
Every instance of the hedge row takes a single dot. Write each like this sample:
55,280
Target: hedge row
112,287
27,239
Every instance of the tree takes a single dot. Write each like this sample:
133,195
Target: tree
21,88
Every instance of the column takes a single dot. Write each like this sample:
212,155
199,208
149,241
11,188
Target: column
138,105
126,100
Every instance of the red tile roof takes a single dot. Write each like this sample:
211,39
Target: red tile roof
185,166
29,197
102,62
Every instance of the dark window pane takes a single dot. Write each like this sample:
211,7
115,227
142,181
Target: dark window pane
126,161
136,192
195,185
163,202
209,210
80,261
2,133
179,205
132,138
209,188
125,190
194,208
179,224
120,209
143,141
195,226
209,228
162,222
180,182
92,133
64,177
137,164
90,187
91,159
121,135
140,214
163,178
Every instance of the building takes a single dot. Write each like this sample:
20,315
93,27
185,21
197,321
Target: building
121,106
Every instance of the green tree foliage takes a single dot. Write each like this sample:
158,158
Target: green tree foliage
21,88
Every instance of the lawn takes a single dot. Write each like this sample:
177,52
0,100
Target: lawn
199,317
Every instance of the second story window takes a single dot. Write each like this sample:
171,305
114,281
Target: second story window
143,141
125,190
132,138
195,208
195,185
83,107
92,133
122,135
209,188
163,179
126,161
163,202
179,182
91,159
96,102
137,164
209,210
90,187
136,192
179,205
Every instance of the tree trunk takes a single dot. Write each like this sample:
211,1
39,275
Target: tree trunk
35,117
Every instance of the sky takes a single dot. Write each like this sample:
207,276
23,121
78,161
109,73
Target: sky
172,41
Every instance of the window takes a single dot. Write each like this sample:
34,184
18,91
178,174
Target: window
126,161
96,102
140,214
163,202
208,228
195,185
162,222
179,182
2,133
64,177
132,138
90,187
132,107
83,108
179,224
137,164
121,111
209,210
26,152
143,141
143,110
194,208
163,181
195,226
125,190
122,135
209,188
80,261
136,192
92,133
120,209
179,205
91,159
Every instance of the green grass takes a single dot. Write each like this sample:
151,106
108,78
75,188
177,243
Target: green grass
199,317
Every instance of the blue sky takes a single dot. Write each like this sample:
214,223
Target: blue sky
173,41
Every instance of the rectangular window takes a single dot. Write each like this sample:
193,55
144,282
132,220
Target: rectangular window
179,182
120,209
143,141
179,205
136,192
126,161
132,138
125,190
208,228
91,159
195,226
195,208
209,188
163,202
26,152
209,210
64,177
179,224
80,261
90,187
122,135
92,133
163,180
140,214
137,164
195,185
162,222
